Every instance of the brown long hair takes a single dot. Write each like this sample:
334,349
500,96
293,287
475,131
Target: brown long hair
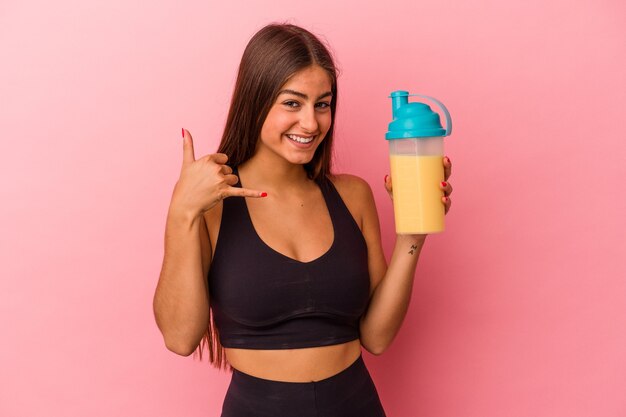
273,55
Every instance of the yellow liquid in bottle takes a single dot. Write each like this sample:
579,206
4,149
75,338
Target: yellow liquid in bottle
417,204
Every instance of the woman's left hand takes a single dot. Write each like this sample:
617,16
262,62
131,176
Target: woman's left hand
447,188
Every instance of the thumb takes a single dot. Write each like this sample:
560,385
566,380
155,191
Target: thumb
188,155
388,186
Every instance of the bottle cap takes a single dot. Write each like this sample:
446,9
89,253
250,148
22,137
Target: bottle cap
416,120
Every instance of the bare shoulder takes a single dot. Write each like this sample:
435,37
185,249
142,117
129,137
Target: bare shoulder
350,183
356,193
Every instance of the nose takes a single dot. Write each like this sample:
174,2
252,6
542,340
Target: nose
308,119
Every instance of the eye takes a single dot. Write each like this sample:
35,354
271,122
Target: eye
323,105
292,104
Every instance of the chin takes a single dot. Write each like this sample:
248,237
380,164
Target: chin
299,158
300,161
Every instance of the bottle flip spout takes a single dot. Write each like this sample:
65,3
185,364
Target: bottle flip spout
398,99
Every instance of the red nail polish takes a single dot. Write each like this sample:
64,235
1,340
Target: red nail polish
444,184
448,159
264,194
183,130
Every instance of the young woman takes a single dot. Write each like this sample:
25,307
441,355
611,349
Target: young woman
274,260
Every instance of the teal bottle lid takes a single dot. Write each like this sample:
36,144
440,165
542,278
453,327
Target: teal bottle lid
416,120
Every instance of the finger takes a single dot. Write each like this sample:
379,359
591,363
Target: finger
226,170
447,202
446,187
388,185
218,158
231,179
243,192
447,168
188,155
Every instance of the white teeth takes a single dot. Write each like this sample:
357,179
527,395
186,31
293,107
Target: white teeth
300,139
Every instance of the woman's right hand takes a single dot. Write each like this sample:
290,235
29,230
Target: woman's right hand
206,181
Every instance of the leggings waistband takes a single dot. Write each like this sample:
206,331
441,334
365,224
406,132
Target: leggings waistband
338,395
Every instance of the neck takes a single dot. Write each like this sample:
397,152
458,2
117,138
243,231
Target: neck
272,174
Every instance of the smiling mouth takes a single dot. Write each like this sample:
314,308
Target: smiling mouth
301,139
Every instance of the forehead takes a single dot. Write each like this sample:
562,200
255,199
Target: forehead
313,78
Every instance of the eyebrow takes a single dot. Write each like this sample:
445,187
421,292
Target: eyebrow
304,96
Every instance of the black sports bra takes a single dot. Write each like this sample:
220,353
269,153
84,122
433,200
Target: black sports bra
262,299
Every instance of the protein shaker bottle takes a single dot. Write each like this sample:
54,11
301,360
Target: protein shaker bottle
416,156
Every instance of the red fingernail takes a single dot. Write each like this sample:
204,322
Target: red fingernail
448,159
263,194
386,178
183,130
444,184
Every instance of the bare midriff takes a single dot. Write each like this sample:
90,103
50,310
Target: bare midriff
295,365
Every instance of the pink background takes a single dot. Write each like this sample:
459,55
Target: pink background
518,308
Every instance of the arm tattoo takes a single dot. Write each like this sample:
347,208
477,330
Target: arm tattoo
413,247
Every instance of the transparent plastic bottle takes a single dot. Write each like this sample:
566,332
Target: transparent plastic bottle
416,157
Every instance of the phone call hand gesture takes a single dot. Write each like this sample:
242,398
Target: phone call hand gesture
206,181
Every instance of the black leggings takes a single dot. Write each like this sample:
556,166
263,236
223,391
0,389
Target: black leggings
349,393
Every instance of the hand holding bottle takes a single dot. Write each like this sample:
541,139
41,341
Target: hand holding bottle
447,188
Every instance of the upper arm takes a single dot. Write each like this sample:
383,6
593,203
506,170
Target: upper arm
359,198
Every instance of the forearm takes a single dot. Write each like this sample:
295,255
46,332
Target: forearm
390,301
181,305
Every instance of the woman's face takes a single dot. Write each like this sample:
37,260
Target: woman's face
299,118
